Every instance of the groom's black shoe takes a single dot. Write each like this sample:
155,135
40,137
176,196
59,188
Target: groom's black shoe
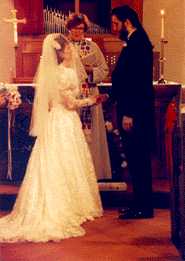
131,213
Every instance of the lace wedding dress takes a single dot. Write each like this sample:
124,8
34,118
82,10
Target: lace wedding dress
59,191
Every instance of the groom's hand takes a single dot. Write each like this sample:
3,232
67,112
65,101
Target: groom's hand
101,98
127,123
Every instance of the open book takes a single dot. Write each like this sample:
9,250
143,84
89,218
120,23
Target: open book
89,59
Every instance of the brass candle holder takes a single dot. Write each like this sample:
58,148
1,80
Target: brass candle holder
162,61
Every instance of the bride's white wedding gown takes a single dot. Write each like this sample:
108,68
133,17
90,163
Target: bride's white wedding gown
59,191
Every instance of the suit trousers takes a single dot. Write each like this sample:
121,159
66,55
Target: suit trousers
138,153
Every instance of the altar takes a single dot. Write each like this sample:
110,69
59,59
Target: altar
167,101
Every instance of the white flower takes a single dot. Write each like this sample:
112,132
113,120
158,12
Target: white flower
116,132
14,99
56,45
124,164
109,126
11,96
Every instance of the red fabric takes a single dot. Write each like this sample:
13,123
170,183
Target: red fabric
169,126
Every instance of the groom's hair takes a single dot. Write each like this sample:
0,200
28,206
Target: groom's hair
125,12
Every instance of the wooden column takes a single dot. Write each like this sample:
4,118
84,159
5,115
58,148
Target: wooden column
32,10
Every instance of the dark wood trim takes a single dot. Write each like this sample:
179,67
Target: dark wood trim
32,10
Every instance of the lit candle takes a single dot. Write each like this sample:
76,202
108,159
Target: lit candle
162,23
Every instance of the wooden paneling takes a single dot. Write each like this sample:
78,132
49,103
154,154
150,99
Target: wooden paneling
32,10
29,51
27,57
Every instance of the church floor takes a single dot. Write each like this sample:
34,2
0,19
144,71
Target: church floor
106,239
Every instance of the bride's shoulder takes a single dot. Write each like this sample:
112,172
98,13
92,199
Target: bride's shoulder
66,73
70,70
66,69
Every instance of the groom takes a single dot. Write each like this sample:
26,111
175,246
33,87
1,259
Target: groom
133,92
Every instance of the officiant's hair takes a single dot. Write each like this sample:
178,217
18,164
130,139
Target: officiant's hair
75,20
63,42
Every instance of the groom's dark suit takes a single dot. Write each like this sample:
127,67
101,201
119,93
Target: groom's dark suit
132,89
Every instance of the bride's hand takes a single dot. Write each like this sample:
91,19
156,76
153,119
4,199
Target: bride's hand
88,68
101,98
97,99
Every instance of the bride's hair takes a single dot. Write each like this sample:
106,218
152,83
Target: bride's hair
46,81
63,42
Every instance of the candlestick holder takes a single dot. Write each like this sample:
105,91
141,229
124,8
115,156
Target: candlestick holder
162,61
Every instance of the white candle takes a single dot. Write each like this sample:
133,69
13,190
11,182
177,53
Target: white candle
77,6
162,23
15,34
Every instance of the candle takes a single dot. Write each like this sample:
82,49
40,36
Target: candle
15,34
162,23
77,6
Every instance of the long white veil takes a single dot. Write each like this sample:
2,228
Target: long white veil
46,82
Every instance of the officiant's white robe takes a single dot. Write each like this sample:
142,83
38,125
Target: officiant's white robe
90,52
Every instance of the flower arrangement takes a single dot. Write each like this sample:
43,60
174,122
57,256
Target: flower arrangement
117,150
9,97
13,99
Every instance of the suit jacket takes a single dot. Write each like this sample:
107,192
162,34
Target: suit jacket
132,86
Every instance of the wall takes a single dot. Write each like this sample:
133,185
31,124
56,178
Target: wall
174,33
7,52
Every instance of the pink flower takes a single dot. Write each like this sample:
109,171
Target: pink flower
13,99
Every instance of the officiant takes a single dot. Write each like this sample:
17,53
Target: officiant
97,70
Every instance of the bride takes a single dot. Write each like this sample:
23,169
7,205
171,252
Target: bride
59,191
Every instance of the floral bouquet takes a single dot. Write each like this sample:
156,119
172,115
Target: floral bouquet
9,97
